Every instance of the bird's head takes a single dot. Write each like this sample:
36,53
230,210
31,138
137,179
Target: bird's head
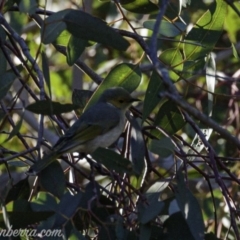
118,97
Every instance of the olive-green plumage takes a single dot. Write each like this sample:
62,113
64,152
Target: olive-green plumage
99,126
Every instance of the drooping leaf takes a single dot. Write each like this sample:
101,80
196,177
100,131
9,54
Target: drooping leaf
190,208
46,74
137,147
83,25
155,86
112,160
47,107
206,31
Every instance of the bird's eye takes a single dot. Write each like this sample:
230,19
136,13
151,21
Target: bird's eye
120,100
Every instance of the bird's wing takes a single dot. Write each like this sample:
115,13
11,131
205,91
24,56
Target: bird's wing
91,124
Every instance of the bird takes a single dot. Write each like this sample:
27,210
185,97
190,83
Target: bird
99,126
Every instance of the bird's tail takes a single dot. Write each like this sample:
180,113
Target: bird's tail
42,163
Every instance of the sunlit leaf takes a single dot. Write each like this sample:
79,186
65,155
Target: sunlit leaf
206,31
75,48
169,118
124,75
53,26
172,57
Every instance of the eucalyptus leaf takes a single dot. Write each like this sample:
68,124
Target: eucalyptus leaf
47,107
124,75
6,81
112,160
190,208
53,183
83,25
167,29
206,31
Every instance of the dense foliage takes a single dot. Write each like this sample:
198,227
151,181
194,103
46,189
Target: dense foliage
174,172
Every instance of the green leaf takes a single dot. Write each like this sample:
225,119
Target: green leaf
137,147
158,186
167,29
46,74
53,183
163,147
139,6
168,118
210,80
6,81
53,26
149,210
80,97
48,107
65,210
19,208
172,57
176,228
20,190
123,75
83,25
76,235
145,232
190,208
112,160
44,202
75,48
206,31
27,6
92,190
155,86
3,61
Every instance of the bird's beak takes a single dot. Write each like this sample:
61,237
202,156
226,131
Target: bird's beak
135,100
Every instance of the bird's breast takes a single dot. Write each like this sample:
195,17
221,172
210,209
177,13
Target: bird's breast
106,139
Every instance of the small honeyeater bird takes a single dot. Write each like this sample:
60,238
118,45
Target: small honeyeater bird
99,126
